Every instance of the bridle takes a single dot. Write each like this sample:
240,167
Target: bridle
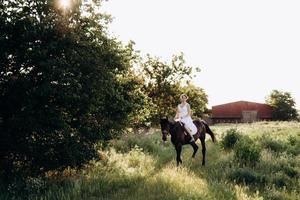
165,132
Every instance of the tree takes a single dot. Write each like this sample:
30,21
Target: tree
164,82
283,105
197,98
64,84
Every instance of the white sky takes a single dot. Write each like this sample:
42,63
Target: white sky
244,48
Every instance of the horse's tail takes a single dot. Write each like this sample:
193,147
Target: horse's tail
209,131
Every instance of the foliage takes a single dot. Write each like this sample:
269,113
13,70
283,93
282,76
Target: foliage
230,139
281,180
273,145
294,146
289,145
290,171
246,152
142,167
164,82
283,105
292,140
64,84
198,99
247,176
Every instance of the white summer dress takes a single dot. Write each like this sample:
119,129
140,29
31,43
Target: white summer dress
186,119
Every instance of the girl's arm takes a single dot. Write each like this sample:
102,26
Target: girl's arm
177,113
189,110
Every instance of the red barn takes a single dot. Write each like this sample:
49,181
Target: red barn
241,111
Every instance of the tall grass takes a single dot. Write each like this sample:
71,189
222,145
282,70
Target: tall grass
141,167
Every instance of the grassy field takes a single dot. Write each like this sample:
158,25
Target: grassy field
141,167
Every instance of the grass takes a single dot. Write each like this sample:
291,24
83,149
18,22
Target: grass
141,167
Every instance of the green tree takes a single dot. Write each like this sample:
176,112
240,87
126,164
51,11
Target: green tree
283,105
197,98
64,84
164,82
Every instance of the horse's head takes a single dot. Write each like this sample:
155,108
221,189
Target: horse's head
165,128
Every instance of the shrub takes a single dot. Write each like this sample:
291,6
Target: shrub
248,176
273,194
246,152
21,187
230,139
243,176
290,172
149,144
281,180
294,145
273,145
294,150
292,140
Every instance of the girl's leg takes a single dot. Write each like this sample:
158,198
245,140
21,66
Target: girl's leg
190,133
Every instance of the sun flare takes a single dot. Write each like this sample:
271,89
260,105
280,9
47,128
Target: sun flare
65,3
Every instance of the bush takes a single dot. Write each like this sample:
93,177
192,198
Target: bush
294,145
273,145
290,172
281,180
149,143
247,176
21,187
246,152
294,150
292,140
230,139
273,194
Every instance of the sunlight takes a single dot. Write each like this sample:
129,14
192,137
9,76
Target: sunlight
65,3
180,181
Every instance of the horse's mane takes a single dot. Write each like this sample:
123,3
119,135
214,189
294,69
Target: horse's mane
172,121
174,124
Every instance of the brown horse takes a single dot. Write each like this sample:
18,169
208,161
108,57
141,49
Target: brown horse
179,136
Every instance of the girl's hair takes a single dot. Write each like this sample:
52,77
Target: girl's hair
184,95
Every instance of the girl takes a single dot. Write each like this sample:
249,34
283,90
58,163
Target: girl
183,114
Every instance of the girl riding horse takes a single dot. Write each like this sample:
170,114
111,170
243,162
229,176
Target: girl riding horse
196,129
183,114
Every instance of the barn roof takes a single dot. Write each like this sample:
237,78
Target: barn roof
235,109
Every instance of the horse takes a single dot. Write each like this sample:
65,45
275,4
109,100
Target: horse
179,136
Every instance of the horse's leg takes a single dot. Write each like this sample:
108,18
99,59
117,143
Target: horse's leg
178,152
202,139
195,147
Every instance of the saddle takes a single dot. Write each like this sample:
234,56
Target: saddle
185,130
200,128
